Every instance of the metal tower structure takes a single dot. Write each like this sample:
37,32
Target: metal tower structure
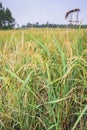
73,16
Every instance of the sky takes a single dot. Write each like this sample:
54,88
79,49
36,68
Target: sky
53,11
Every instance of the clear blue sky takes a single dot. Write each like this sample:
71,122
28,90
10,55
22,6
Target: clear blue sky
41,11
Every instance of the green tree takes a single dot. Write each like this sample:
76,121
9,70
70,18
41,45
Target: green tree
6,19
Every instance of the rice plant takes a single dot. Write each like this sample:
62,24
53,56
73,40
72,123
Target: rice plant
43,79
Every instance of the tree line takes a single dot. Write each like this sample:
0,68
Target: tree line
49,25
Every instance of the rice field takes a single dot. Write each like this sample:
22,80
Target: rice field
43,79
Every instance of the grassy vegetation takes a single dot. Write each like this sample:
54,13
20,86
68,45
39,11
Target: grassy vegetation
43,79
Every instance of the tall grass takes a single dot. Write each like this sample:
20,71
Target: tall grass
43,79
